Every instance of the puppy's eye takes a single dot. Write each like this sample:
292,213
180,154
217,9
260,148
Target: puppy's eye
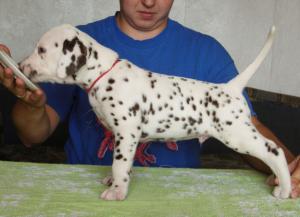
41,50
56,44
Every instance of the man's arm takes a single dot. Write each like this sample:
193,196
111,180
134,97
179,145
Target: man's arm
34,120
34,124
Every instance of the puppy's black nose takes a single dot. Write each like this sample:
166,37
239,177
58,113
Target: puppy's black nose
27,69
33,73
19,66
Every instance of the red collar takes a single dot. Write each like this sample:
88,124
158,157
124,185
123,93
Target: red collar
100,76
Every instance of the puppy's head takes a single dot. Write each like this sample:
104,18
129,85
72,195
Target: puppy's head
58,56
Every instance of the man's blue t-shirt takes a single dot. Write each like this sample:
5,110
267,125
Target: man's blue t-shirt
175,51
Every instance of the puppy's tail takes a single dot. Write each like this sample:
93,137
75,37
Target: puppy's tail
240,81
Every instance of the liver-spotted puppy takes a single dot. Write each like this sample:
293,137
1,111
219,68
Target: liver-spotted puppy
140,106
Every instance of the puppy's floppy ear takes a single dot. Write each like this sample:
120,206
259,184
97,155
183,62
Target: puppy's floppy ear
73,57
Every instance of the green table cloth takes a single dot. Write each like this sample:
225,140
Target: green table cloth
35,189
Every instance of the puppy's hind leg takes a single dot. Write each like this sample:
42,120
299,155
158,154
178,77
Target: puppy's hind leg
250,141
277,162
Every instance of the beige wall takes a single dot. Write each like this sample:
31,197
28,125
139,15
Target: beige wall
240,25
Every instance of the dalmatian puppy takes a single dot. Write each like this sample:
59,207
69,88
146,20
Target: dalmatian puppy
141,106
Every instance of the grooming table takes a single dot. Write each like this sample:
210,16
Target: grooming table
35,189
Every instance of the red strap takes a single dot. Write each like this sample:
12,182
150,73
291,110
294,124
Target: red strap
142,156
106,144
100,76
172,146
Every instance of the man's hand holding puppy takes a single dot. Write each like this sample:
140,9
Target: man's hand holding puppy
32,117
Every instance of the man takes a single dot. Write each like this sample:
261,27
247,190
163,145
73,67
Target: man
142,33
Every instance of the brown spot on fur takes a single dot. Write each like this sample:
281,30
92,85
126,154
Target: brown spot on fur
81,59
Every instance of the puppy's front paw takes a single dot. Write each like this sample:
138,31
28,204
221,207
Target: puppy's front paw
281,193
114,193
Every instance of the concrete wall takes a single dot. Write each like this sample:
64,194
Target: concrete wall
240,25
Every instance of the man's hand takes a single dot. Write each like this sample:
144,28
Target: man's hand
17,86
34,120
294,168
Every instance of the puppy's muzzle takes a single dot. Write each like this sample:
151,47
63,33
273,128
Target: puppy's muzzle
28,70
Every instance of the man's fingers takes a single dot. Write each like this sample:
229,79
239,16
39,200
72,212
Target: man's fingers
5,49
295,192
8,78
20,89
294,164
272,180
296,168
37,98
